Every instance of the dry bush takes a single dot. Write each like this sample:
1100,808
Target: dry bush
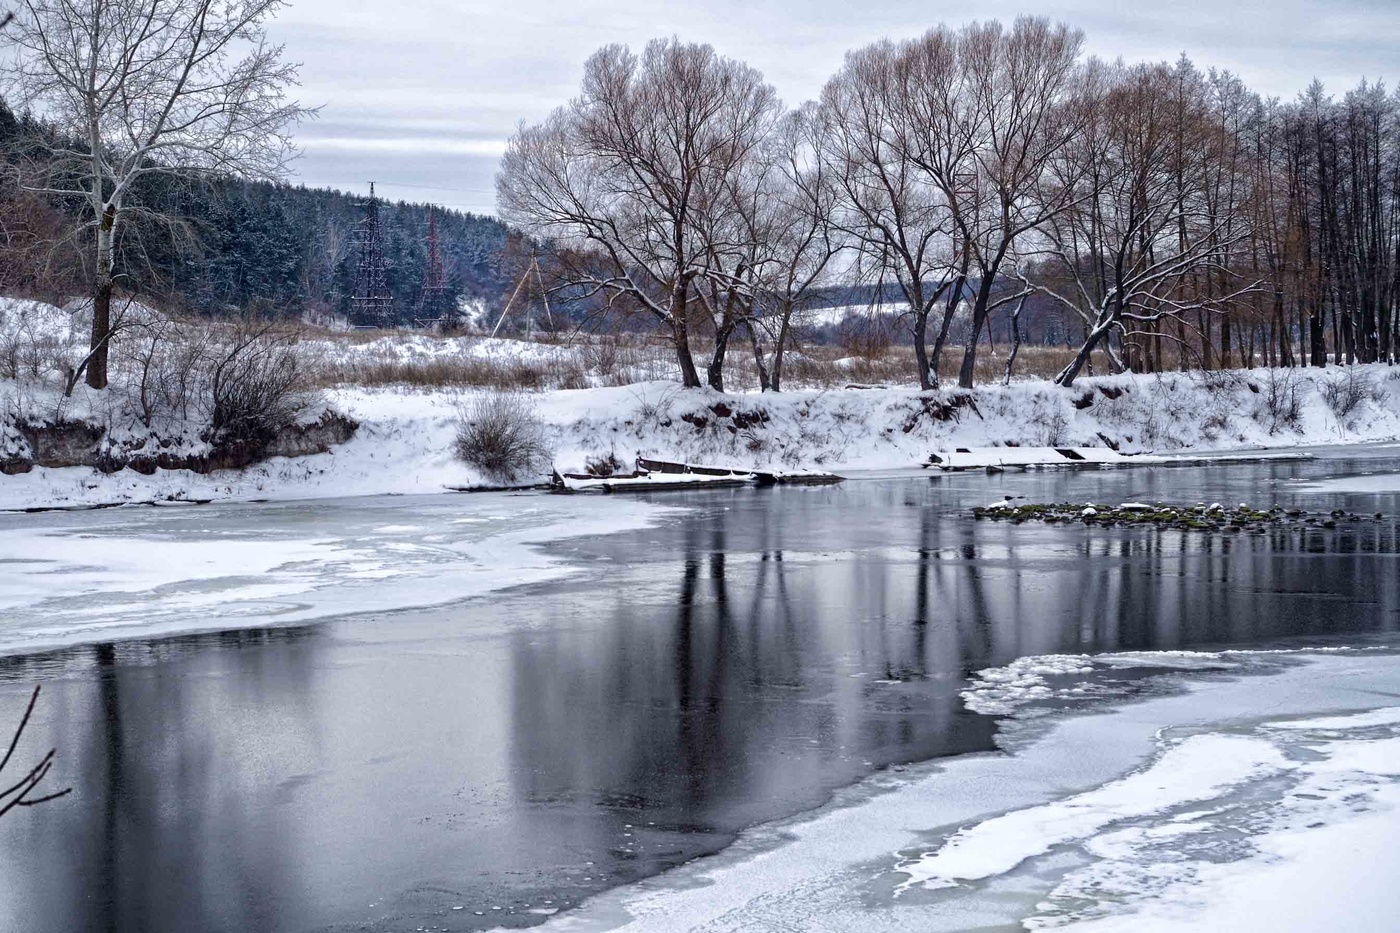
245,382
31,349
1280,401
502,436
1345,389
255,386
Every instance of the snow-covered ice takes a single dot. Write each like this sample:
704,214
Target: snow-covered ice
74,577
1248,802
1200,768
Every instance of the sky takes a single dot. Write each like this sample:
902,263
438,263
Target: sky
422,95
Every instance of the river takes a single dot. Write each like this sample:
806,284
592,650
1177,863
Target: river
311,757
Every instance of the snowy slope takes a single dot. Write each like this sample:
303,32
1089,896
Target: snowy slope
405,439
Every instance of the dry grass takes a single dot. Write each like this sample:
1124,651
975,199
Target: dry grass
450,372
826,367
615,360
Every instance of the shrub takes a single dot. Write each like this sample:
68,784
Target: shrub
1281,401
502,436
256,387
1345,389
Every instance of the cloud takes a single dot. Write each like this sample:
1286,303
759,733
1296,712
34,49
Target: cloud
425,92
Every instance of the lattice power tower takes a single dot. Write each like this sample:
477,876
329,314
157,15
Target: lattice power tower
371,303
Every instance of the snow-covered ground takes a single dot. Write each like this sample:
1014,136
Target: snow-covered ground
404,444
122,573
1263,799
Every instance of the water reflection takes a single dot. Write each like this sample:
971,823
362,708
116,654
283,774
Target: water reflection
735,664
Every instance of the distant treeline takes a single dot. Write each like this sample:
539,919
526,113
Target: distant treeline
276,248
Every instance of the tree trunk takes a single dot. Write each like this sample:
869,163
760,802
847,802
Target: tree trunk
680,335
921,348
101,304
101,331
1071,372
979,320
1015,341
780,351
690,376
1317,334
764,383
949,309
714,373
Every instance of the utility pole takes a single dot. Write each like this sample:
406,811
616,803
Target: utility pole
534,267
372,303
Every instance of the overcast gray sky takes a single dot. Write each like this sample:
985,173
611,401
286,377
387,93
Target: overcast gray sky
421,95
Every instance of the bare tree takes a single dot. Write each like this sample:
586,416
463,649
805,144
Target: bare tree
638,171
940,145
1029,101
149,87
1125,250
788,216
894,210
20,793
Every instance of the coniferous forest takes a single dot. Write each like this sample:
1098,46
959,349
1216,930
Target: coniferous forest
216,246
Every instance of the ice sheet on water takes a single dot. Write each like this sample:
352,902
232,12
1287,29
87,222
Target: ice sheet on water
1269,855
1152,815
1364,720
1001,691
72,578
1202,767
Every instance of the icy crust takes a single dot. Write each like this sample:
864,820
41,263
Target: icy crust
1300,837
1222,830
1003,691
127,573
1249,803
1200,768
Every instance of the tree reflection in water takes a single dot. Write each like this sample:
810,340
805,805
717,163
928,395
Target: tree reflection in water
738,663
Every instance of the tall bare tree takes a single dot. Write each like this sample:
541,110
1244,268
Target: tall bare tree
148,87
639,172
1029,102
1128,252
798,244
892,208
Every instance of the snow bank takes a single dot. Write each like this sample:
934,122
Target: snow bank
405,440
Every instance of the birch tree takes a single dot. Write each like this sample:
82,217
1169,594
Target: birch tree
139,88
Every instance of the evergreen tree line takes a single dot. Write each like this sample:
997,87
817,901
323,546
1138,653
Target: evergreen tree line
221,246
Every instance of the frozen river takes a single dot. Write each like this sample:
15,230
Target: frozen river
460,712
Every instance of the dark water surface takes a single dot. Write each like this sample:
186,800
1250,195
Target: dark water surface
491,761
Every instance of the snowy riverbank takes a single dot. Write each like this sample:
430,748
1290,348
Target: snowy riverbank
404,442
